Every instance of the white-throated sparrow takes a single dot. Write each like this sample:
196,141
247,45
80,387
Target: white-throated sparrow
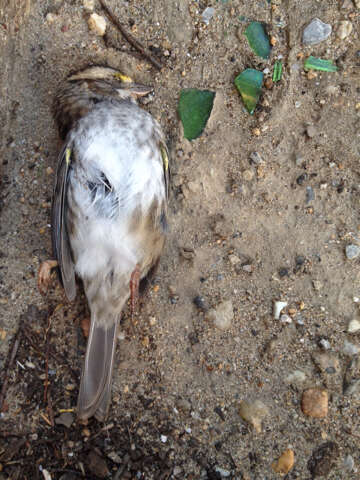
109,215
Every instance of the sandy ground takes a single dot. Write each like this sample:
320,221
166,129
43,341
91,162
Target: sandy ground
242,232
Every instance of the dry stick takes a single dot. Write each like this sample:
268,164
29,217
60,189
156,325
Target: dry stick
9,366
135,43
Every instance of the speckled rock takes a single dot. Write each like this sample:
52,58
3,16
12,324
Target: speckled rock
253,412
222,315
314,403
344,30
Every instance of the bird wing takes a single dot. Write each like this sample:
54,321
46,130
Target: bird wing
60,238
166,165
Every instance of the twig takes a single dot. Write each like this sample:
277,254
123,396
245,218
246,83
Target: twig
104,429
9,366
135,43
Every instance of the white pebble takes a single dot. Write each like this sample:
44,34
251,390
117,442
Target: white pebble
297,376
89,5
97,24
163,438
350,349
278,306
354,326
285,318
325,344
349,463
344,30
207,14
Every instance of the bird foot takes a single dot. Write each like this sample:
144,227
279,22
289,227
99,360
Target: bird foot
44,275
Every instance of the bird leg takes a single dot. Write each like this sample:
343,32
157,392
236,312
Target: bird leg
44,274
134,289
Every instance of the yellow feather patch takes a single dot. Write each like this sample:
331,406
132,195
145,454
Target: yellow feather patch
67,155
164,157
123,78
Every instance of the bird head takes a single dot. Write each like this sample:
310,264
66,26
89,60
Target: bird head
107,81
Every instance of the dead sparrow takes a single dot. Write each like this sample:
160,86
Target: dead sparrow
109,209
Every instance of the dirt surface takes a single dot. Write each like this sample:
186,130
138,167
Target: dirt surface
243,231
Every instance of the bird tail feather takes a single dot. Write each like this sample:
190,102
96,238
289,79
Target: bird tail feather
96,379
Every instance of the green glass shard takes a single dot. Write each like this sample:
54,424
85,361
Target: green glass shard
194,110
249,84
313,63
277,73
258,39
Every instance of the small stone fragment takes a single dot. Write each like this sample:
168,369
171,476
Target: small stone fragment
234,259
316,32
297,376
278,307
248,175
285,463
65,419
310,195
317,285
325,344
256,158
97,24
311,131
351,383
323,459
207,15
314,403
89,5
350,349
248,268
344,30
201,303
222,315
326,362
352,251
253,412
349,463
354,326
223,473
50,18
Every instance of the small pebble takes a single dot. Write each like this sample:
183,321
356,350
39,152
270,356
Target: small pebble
89,5
316,32
352,251
350,349
253,412
248,268
354,326
344,30
285,463
311,131
317,285
163,438
325,344
301,179
234,259
248,175
65,419
349,463
285,318
97,24
50,18
207,15
277,308
314,403
222,315
201,303
256,158
297,376
310,195
223,473
326,362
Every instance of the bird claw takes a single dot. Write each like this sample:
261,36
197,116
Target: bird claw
44,275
